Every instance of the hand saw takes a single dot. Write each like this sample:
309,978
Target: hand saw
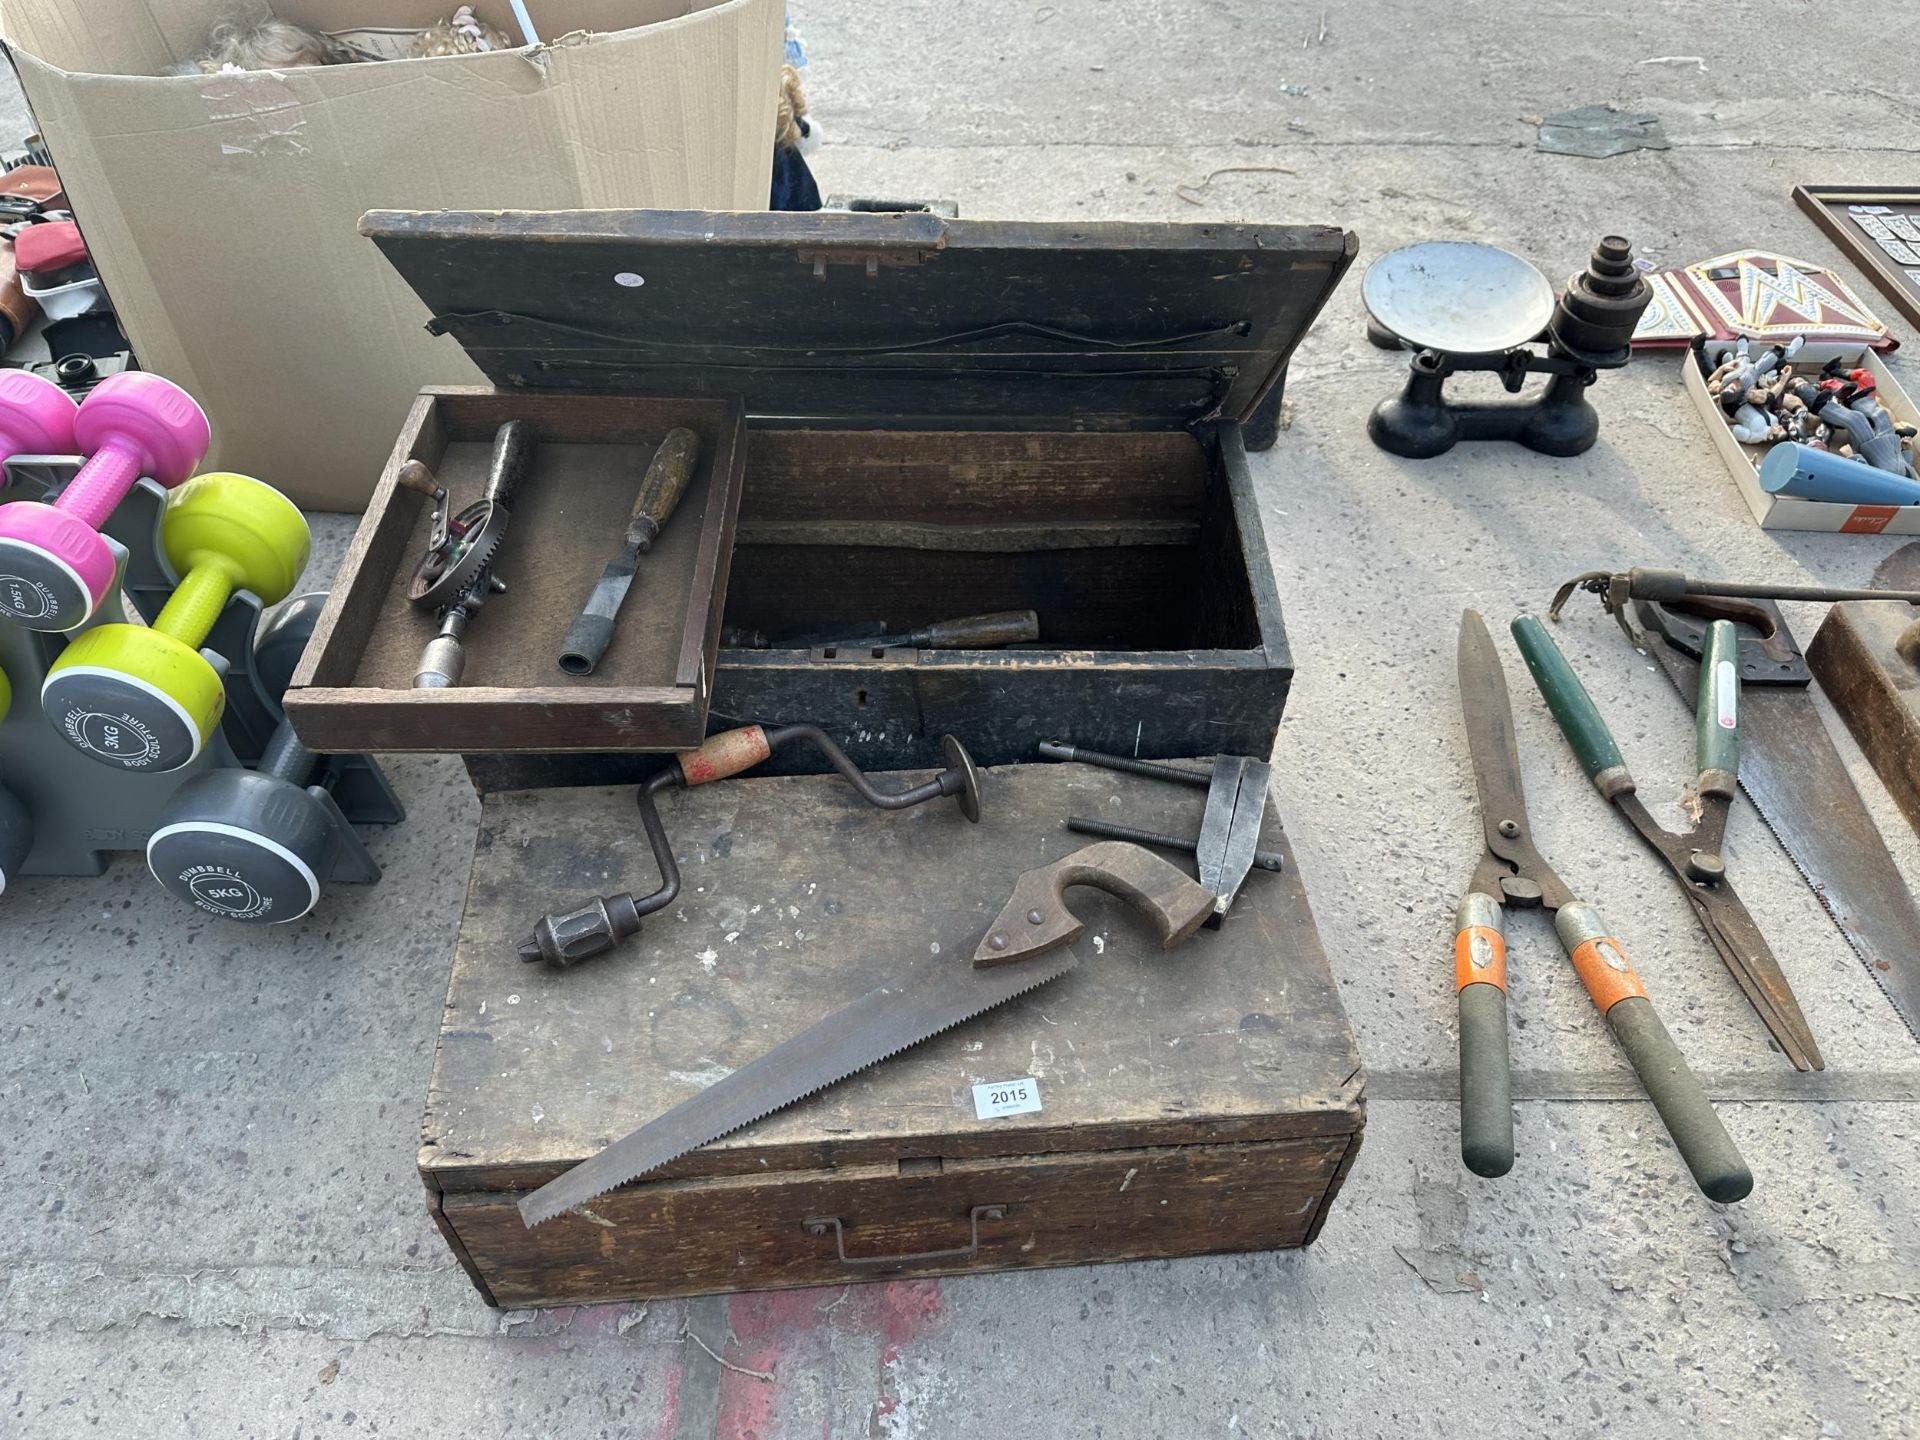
1796,779
1022,949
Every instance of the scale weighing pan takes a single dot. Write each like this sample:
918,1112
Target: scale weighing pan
1458,297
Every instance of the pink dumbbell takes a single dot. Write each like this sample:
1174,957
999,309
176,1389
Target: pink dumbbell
55,566
36,416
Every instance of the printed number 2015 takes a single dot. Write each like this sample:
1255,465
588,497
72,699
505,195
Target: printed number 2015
993,1098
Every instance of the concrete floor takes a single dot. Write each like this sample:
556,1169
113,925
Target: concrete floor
215,1226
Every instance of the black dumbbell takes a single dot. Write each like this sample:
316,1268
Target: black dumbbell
283,640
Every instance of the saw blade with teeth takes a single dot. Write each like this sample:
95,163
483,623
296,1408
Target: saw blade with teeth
934,995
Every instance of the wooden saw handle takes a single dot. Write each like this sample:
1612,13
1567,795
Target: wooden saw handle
1036,919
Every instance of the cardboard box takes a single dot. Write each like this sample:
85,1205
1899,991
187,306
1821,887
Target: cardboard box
1785,512
221,210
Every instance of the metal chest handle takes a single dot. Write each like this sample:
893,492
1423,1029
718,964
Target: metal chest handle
820,1224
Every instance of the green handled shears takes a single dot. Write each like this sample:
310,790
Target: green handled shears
1693,856
1513,873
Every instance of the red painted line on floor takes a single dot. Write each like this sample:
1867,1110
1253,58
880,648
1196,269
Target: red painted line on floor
774,1331
669,1404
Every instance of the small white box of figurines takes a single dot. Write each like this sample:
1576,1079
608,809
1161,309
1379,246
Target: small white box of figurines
1817,436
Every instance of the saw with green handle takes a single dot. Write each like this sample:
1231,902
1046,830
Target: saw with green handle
1022,949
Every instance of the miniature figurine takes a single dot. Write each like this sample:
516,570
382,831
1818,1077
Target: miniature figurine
1736,375
1875,438
1753,423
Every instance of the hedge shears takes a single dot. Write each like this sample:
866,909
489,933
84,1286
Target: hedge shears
1693,856
1513,872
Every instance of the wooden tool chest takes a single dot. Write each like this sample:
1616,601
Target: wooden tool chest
1203,1100
945,418
942,418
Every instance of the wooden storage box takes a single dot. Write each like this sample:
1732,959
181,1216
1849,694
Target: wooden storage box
353,690
1790,512
1203,1100
947,418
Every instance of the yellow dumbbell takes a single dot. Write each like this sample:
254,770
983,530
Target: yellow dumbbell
148,699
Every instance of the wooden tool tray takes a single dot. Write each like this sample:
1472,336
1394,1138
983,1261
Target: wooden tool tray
355,690
1203,1100
948,418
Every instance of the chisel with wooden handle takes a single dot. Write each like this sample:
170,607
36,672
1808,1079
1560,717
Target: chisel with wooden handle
666,481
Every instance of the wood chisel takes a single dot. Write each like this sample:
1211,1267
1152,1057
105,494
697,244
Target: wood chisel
666,481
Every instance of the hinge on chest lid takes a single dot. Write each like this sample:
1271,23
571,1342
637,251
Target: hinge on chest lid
871,260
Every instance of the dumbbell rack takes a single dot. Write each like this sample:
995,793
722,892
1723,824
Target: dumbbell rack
84,811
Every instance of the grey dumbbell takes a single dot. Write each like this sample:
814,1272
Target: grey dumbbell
16,821
16,836
283,640
253,845
233,871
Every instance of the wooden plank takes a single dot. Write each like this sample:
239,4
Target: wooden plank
1013,538
1334,1186
1250,559
892,715
377,547
880,316
797,898
474,412
1258,385
1135,598
746,1233
1855,658
437,1212
974,478
713,563
1826,205
475,719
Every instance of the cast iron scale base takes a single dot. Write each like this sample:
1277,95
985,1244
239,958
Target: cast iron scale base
1468,307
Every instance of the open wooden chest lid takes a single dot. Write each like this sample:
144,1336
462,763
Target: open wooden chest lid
902,319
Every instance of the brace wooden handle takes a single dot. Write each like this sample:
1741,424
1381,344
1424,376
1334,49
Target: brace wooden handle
1036,919
724,755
